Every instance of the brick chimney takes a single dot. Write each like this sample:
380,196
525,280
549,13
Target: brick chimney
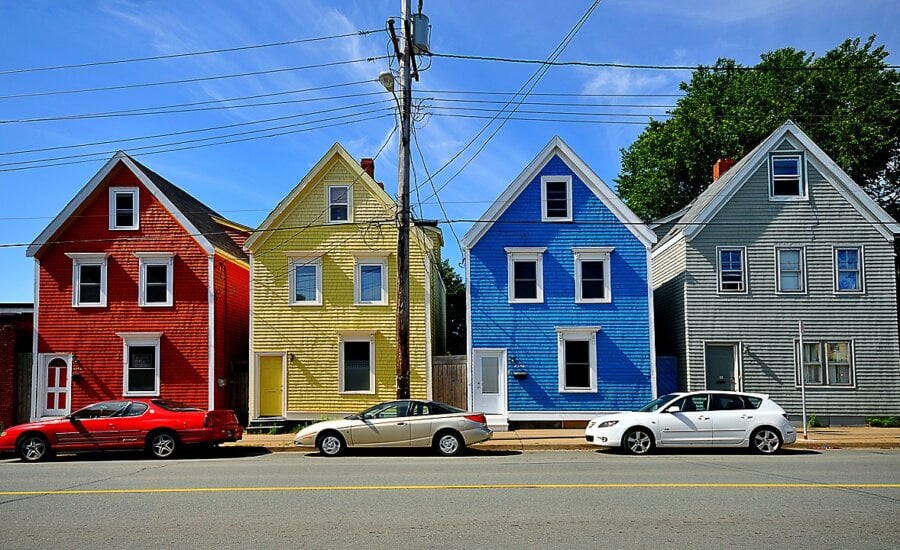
369,166
722,166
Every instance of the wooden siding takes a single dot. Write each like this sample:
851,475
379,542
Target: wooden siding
311,333
232,332
449,375
766,323
91,332
669,287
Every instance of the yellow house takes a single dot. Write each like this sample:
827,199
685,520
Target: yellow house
323,298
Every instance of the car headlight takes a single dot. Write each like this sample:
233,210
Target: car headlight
2,434
607,424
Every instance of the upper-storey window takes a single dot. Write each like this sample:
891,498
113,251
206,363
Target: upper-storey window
556,198
88,279
848,271
123,208
787,181
525,274
370,281
790,266
305,279
156,278
732,270
592,275
338,203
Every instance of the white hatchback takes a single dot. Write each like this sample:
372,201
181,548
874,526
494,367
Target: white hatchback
697,419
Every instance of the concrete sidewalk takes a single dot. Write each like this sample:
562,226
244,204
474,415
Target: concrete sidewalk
573,439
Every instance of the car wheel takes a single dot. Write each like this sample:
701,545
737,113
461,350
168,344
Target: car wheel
33,448
765,441
330,444
448,444
163,445
638,441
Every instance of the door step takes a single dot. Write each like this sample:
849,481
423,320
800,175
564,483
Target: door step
497,422
265,425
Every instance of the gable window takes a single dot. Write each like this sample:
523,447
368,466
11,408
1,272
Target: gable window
338,203
848,273
155,279
826,364
123,208
88,279
370,281
787,179
357,363
556,198
790,270
141,357
305,273
577,357
592,275
525,274
732,270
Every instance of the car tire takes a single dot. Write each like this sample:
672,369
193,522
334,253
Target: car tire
765,440
638,441
33,448
448,444
162,445
330,444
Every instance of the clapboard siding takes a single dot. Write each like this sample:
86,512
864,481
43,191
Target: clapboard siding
669,287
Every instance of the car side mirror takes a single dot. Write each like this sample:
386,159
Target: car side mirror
673,409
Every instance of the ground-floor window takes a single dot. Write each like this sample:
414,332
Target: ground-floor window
577,358
826,363
141,364
357,364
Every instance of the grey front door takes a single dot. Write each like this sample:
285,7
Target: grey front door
720,367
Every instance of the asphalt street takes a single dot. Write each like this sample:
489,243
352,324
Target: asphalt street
245,497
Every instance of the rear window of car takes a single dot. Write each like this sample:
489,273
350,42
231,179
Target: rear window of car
174,406
752,402
443,408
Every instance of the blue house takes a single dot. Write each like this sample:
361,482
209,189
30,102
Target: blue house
559,298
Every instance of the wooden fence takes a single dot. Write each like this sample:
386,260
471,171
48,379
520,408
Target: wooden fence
449,380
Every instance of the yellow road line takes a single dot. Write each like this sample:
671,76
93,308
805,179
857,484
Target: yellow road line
444,487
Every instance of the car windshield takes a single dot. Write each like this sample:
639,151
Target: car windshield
173,405
657,403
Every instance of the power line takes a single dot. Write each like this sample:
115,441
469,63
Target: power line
187,54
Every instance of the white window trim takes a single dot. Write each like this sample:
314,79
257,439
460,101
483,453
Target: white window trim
778,289
745,271
525,254
588,334
139,339
300,259
136,195
88,258
821,342
356,336
862,271
155,258
568,181
328,203
801,166
593,254
361,260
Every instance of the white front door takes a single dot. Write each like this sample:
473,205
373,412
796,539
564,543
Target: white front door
55,376
489,388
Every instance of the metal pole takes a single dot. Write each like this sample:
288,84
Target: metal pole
802,382
403,197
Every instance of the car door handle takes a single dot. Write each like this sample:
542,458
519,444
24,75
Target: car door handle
401,423
748,416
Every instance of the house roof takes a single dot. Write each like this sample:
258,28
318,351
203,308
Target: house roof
205,225
557,147
705,207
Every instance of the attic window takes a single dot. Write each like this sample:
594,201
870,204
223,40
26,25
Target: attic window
338,203
123,208
556,198
787,181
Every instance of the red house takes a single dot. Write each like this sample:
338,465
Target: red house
140,290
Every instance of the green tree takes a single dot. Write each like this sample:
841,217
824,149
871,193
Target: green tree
456,309
847,101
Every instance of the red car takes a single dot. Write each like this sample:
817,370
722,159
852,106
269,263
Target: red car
159,426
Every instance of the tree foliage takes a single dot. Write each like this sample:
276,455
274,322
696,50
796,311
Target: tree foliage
847,101
456,309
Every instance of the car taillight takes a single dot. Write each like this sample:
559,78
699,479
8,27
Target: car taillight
206,421
477,418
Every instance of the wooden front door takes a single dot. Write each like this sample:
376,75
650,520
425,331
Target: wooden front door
271,386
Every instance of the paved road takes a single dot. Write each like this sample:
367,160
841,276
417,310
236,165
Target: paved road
240,498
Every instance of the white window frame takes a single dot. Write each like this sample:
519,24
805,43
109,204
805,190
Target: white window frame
329,204
80,259
356,336
364,260
304,259
566,334
778,251
525,254
745,272
593,254
862,272
823,363
801,168
135,339
146,259
556,179
135,195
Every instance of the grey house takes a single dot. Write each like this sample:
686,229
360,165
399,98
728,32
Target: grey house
783,240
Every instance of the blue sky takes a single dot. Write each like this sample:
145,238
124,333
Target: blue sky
246,179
